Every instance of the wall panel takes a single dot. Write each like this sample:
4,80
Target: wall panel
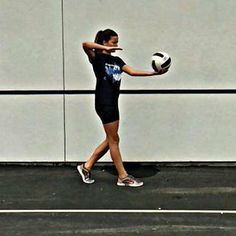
31,128
198,34
158,128
31,45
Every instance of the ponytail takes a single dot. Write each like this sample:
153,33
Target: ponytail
99,37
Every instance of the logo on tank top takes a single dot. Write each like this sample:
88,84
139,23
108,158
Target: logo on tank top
113,71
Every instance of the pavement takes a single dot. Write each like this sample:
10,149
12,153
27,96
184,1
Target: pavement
175,200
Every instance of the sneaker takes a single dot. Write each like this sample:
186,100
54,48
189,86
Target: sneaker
129,181
85,174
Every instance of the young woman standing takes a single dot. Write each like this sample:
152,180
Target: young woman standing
108,69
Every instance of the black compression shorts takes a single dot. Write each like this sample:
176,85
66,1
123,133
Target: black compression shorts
107,113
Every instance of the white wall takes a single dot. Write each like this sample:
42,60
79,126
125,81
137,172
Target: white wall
198,34
31,128
158,128
30,45
35,55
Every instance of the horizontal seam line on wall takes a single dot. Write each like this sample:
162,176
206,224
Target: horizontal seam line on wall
134,91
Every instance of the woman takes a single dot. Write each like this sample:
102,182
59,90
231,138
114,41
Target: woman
108,69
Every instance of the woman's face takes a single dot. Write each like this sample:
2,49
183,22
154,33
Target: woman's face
112,42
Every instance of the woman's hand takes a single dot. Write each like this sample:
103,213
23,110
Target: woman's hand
112,49
161,72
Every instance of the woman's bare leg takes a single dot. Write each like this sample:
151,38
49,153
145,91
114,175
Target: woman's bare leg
97,154
111,130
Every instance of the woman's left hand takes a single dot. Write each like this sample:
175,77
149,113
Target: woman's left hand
161,72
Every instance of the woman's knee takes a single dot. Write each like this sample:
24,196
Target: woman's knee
113,139
112,133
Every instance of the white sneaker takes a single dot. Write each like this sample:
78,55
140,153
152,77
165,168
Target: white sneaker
85,174
129,181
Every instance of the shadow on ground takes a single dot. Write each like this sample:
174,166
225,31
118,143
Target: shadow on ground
138,170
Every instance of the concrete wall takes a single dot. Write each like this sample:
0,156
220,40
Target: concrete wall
198,34
31,45
40,50
159,127
31,128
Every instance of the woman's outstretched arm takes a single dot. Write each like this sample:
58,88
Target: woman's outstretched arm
130,71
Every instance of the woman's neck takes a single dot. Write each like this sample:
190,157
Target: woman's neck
106,52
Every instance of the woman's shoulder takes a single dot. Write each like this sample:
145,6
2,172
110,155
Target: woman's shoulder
120,60
108,57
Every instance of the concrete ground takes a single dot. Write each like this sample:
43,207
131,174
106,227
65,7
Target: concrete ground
43,190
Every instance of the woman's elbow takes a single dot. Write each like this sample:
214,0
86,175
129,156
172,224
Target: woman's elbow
132,73
84,44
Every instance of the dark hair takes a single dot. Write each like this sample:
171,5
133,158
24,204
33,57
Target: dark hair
104,35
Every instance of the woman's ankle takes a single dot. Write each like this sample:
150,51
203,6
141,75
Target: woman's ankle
87,166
